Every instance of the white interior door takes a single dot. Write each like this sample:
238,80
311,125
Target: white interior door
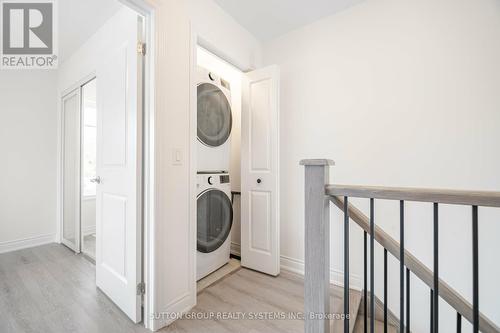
260,248
118,199
71,116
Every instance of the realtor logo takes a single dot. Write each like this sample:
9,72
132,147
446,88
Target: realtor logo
28,34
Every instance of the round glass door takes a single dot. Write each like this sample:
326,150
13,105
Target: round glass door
214,115
215,217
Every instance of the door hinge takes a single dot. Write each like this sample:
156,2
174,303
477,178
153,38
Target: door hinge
141,288
141,48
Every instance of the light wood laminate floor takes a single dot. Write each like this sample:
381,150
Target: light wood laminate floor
252,292
50,289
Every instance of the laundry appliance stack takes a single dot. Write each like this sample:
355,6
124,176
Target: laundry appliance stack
214,206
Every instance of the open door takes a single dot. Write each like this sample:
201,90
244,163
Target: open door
260,229
118,194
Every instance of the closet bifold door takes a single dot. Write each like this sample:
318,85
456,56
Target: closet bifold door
260,229
71,165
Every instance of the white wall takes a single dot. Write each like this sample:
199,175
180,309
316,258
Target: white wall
29,126
398,93
173,254
28,137
219,33
85,60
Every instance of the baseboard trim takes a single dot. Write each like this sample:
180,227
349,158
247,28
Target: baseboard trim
25,243
336,277
89,230
236,249
297,266
392,319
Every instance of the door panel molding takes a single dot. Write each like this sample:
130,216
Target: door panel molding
260,224
119,167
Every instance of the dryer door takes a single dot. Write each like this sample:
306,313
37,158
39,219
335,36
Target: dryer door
215,217
214,115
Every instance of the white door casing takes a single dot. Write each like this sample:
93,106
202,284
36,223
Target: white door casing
119,161
71,147
260,229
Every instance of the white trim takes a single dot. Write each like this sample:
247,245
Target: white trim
25,243
147,8
183,303
236,249
88,230
210,47
60,149
297,266
193,158
336,276
76,246
79,84
89,197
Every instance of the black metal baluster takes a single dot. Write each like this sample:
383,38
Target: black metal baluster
459,323
372,274
385,290
432,312
346,265
365,305
475,270
402,265
436,268
407,300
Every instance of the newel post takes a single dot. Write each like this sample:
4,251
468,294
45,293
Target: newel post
317,246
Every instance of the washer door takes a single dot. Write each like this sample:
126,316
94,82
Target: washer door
214,115
215,217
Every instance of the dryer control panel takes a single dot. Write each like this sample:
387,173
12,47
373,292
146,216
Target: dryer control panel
212,179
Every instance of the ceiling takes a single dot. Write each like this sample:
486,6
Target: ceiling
267,19
79,20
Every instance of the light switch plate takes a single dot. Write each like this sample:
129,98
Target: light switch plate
177,158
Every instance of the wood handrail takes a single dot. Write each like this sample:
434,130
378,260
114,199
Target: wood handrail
456,197
460,304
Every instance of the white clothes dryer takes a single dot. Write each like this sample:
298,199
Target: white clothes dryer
214,122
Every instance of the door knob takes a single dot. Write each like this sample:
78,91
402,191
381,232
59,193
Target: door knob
96,180
259,180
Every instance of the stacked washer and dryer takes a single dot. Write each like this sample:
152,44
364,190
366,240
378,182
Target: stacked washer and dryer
214,206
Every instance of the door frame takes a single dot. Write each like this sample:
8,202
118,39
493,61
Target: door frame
89,79
197,39
78,214
147,9
77,86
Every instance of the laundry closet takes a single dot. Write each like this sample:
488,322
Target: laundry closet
236,168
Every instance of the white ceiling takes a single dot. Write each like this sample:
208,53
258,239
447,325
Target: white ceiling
79,20
267,19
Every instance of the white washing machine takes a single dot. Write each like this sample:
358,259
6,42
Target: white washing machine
214,221
215,121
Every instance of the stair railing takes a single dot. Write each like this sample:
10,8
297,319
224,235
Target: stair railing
319,194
